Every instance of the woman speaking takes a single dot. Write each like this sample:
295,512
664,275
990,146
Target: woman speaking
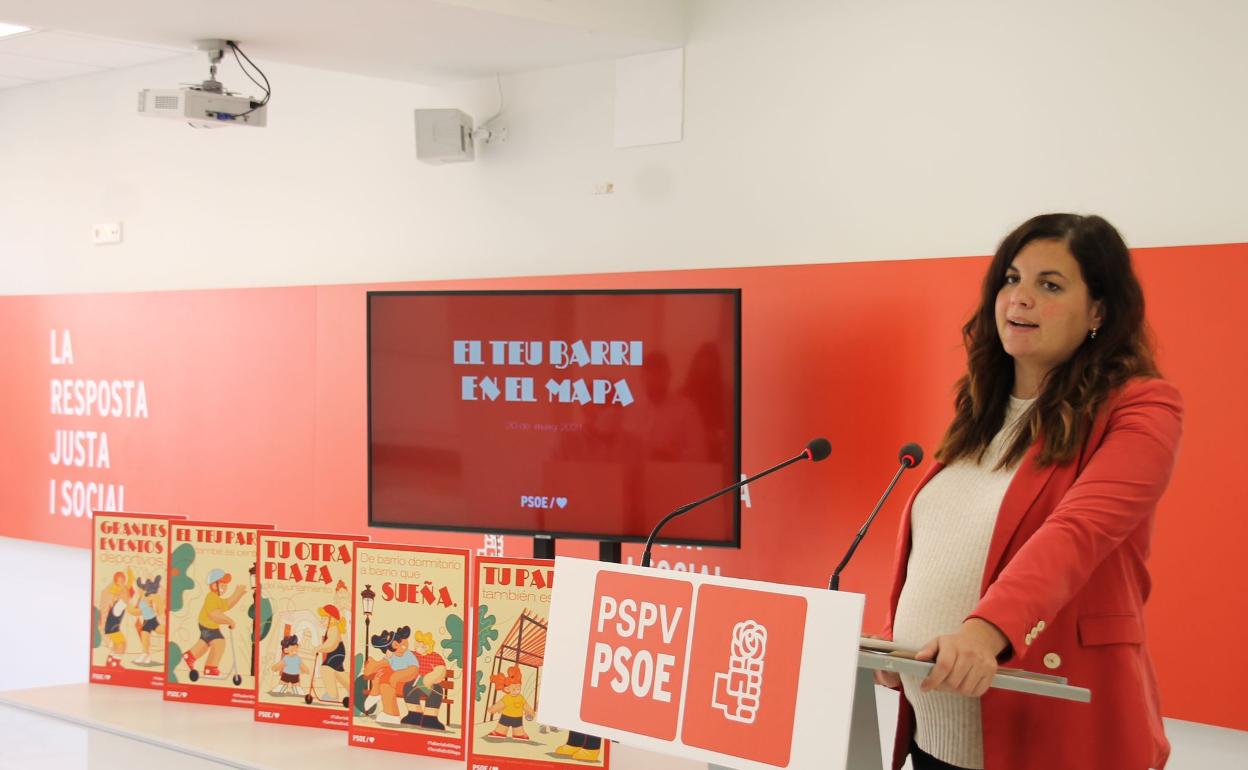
1025,545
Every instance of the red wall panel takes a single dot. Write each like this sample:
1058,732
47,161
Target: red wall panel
257,411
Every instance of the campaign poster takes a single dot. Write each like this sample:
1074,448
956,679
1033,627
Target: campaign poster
410,649
129,557
301,665
210,625
512,597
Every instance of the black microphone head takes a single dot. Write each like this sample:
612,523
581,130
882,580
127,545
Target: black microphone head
910,455
818,449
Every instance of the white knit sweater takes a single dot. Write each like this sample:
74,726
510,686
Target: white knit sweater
951,527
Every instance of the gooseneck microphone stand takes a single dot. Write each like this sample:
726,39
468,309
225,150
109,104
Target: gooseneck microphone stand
816,450
909,456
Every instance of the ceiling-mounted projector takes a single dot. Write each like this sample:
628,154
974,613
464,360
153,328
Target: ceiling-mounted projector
201,108
208,104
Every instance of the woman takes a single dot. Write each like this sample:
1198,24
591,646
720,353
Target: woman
333,652
1025,544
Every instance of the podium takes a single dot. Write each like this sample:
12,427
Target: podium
737,673
874,655
877,655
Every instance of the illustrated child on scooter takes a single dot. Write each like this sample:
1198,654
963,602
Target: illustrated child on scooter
212,617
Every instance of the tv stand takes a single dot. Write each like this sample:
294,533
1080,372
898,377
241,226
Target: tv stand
608,550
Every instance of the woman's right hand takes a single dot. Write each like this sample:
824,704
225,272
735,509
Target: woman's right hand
889,679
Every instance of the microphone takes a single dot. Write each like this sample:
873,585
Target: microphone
816,450
909,457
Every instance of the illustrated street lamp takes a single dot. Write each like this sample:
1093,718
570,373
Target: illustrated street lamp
366,604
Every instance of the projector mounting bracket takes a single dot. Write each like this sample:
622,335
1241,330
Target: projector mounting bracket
215,48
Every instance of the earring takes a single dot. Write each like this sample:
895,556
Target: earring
1094,332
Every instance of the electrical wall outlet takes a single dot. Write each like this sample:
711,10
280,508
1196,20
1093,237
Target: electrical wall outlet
108,232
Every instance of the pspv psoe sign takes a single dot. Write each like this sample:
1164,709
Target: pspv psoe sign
735,672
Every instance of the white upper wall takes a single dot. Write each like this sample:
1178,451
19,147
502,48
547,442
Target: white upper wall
815,131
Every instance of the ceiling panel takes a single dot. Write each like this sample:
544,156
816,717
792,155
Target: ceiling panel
420,41
13,82
30,68
84,49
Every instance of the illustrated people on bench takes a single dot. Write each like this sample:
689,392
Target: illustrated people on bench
417,675
395,658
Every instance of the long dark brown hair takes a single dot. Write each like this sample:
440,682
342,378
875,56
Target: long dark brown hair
1073,391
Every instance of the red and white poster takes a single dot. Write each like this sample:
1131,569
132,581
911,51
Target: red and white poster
409,648
734,672
512,600
211,623
302,651
129,559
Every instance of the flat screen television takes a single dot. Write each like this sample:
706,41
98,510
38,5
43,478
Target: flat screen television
581,414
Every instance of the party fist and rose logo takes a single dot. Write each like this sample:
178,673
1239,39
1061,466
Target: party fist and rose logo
742,649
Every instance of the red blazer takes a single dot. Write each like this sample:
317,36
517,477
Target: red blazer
1065,580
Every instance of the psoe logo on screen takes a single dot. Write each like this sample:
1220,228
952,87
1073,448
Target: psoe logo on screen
546,502
635,670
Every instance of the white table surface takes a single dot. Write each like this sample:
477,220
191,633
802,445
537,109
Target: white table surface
127,725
